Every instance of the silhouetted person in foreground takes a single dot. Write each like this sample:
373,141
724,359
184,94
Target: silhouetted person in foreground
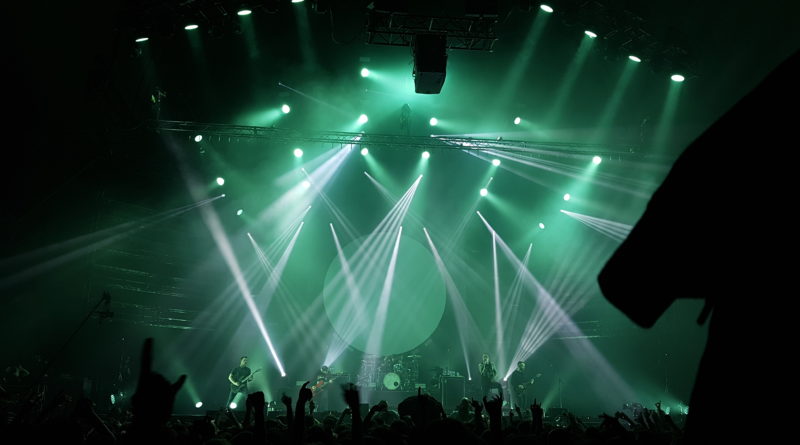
716,230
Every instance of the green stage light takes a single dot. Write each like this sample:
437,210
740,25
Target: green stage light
484,192
198,405
364,72
306,184
142,39
244,12
541,225
425,155
495,162
190,27
298,152
590,34
517,120
286,109
634,58
363,119
566,197
239,212
221,180
434,121
546,8
677,78
364,151
198,138
597,160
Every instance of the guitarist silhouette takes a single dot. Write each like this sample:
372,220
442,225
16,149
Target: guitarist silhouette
239,377
521,381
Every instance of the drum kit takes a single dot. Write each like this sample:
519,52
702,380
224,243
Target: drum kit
391,372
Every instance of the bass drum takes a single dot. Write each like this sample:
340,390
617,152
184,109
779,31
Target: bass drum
391,381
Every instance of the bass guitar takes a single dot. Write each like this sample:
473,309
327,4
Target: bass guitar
243,383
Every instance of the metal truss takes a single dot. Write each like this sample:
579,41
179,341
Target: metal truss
397,29
437,142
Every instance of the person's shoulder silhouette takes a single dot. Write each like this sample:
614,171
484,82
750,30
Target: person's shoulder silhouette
718,228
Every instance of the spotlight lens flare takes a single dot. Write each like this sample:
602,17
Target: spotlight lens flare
306,184
495,162
434,122
298,152
239,212
425,155
541,225
364,72
634,58
198,138
597,160
546,9
517,120
286,109
364,151
363,119
198,405
220,181
566,196
484,192
590,34
190,27
142,39
677,78
232,405
244,12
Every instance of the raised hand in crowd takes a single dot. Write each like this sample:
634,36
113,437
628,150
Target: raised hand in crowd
303,396
255,403
537,417
152,403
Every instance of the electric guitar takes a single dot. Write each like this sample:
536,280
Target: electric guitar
520,389
243,382
322,382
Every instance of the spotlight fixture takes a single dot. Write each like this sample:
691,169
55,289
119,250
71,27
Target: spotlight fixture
298,152
364,151
634,58
517,120
425,155
198,138
198,405
597,160
239,213
677,78
286,109
566,196
363,119
190,27
142,39
484,192
495,162
546,8
590,34
434,122
364,72
541,225
220,181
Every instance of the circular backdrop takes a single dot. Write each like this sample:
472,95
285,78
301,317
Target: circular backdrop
408,314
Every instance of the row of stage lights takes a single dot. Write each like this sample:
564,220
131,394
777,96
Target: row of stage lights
298,153
365,71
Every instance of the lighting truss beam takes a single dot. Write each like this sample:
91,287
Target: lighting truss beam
400,141
393,29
